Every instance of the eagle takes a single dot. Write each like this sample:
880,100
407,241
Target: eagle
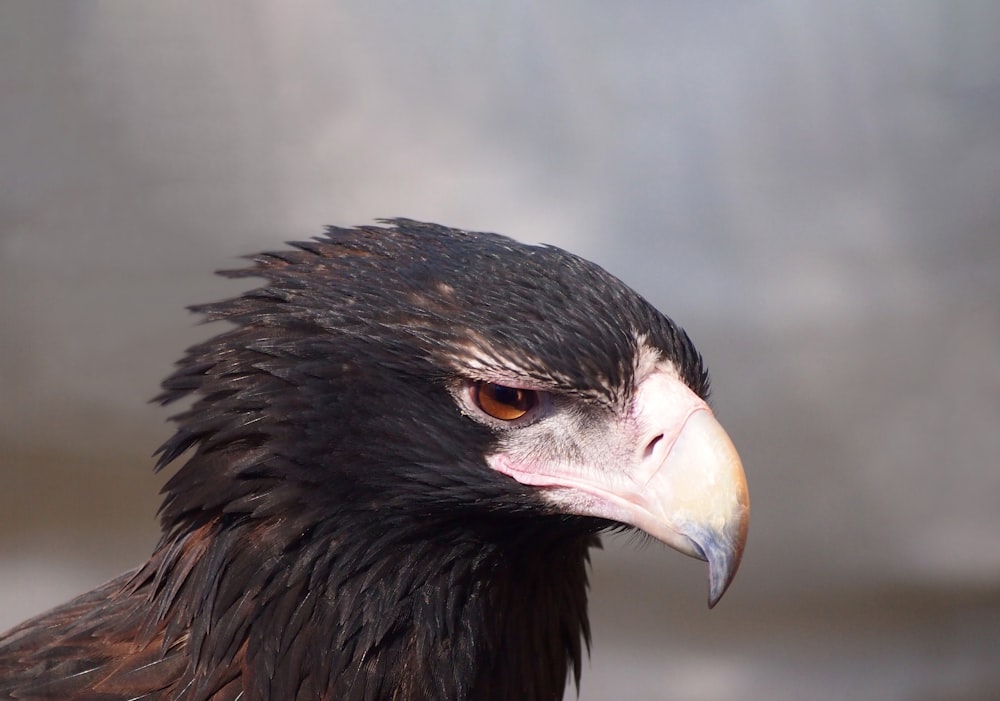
393,463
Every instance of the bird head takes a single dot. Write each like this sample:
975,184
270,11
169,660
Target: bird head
412,372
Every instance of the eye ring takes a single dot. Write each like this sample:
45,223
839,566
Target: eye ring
502,402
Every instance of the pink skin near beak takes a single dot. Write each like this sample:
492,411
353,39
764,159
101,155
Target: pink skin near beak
678,478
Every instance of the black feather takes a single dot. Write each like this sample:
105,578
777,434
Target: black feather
334,532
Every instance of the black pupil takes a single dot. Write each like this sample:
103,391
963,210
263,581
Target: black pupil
508,395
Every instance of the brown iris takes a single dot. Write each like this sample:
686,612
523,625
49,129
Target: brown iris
502,402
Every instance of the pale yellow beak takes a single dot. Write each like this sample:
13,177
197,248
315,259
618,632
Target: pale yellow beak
668,468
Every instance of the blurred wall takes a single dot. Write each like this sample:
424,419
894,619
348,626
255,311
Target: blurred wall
812,189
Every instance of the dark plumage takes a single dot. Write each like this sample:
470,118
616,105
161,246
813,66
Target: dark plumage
396,461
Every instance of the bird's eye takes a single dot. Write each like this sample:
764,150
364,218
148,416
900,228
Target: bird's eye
504,403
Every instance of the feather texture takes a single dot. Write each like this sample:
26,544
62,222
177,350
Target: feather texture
333,532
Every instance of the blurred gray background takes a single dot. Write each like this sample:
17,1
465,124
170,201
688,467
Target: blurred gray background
811,188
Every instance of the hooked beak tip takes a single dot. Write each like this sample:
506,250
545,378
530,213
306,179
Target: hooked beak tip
723,562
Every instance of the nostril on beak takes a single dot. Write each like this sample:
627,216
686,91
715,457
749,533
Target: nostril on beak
651,446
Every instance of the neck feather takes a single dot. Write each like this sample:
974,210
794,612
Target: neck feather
374,610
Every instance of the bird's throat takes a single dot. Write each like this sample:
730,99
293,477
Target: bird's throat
327,614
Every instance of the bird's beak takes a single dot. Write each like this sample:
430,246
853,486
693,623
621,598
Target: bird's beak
689,489
673,473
